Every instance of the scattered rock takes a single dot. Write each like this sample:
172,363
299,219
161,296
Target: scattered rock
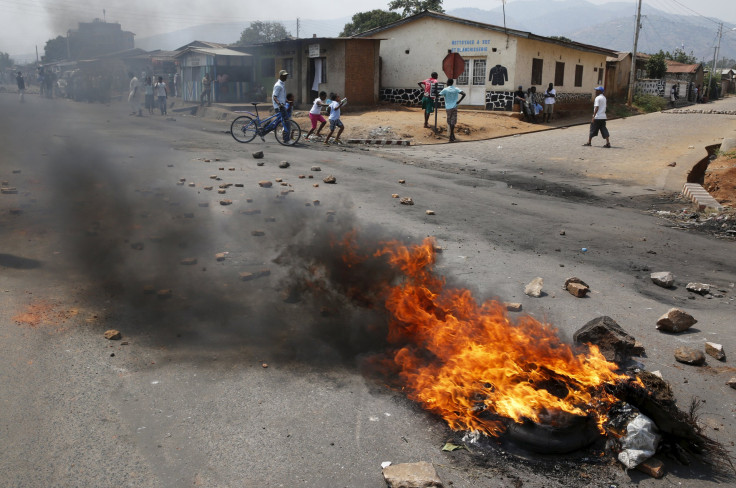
239,185
257,233
284,164
562,232
113,335
315,202
315,168
149,290
653,467
675,320
208,188
220,256
257,154
412,475
226,202
188,261
248,276
330,179
429,212
438,249
260,163
406,201
699,288
192,184
534,288
165,293
301,177
316,185
394,195
576,287
688,355
732,382
279,180
231,169
265,184
665,279
402,181
715,350
613,341
513,307
638,349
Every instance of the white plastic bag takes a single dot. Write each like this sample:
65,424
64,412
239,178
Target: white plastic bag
640,442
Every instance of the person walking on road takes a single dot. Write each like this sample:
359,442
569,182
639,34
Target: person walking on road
427,102
598,123
206,90
134,96
21,85
550,96
451,93
161,92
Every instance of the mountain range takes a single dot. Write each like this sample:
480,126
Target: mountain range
609,25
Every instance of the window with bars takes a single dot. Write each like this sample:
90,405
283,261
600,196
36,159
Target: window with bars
479,72
578,75
465,77
537,65
559,74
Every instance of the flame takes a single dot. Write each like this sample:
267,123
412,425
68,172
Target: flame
471,364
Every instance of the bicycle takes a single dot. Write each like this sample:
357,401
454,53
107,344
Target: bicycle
246,127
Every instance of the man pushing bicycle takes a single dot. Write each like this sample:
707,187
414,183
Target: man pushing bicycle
279,99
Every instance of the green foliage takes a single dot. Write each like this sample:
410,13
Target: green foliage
656,66
412,7
364,21
5,61
649,103
55,50
259,32
681,56
561,38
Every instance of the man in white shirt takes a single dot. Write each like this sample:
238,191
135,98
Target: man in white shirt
598,123
549,103
279,91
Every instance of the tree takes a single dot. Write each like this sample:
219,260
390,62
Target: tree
364,21
656,66
681,56
55,50
5,61
259,32
725,63
411,7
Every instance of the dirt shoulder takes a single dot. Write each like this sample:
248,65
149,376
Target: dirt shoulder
720,178
407,123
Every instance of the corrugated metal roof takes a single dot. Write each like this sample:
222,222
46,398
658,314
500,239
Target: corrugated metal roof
675,67
220,51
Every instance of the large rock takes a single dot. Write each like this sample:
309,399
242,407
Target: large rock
614,342
715,350
699,288
689,355
732,382
534,288
412,475
675,320
576,287
665,279
257,154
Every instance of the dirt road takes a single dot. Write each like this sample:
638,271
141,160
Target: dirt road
227,382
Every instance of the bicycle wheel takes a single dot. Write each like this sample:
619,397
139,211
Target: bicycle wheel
243,129
294,134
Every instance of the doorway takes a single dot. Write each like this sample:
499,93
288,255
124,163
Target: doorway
473,81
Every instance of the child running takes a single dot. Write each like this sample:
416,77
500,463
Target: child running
335,118
315,115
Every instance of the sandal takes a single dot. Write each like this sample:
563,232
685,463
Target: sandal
607,145
587,144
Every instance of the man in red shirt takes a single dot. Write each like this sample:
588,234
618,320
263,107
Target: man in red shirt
427,101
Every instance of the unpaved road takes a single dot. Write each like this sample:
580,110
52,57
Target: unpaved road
226,383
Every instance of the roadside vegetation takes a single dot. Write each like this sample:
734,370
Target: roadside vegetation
649,103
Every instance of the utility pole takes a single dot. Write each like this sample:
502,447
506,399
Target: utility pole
715,56
630,96
297,27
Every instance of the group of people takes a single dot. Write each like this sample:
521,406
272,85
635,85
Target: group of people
530,107
283,102
151,93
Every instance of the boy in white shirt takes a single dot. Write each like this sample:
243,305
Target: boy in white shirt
335,121
598,123
315,114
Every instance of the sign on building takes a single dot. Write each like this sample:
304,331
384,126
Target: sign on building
314,50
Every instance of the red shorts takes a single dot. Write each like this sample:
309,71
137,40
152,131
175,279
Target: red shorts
316,118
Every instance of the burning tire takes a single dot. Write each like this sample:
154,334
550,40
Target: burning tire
570,433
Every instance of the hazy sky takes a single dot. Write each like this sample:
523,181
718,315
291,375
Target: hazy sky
27,24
